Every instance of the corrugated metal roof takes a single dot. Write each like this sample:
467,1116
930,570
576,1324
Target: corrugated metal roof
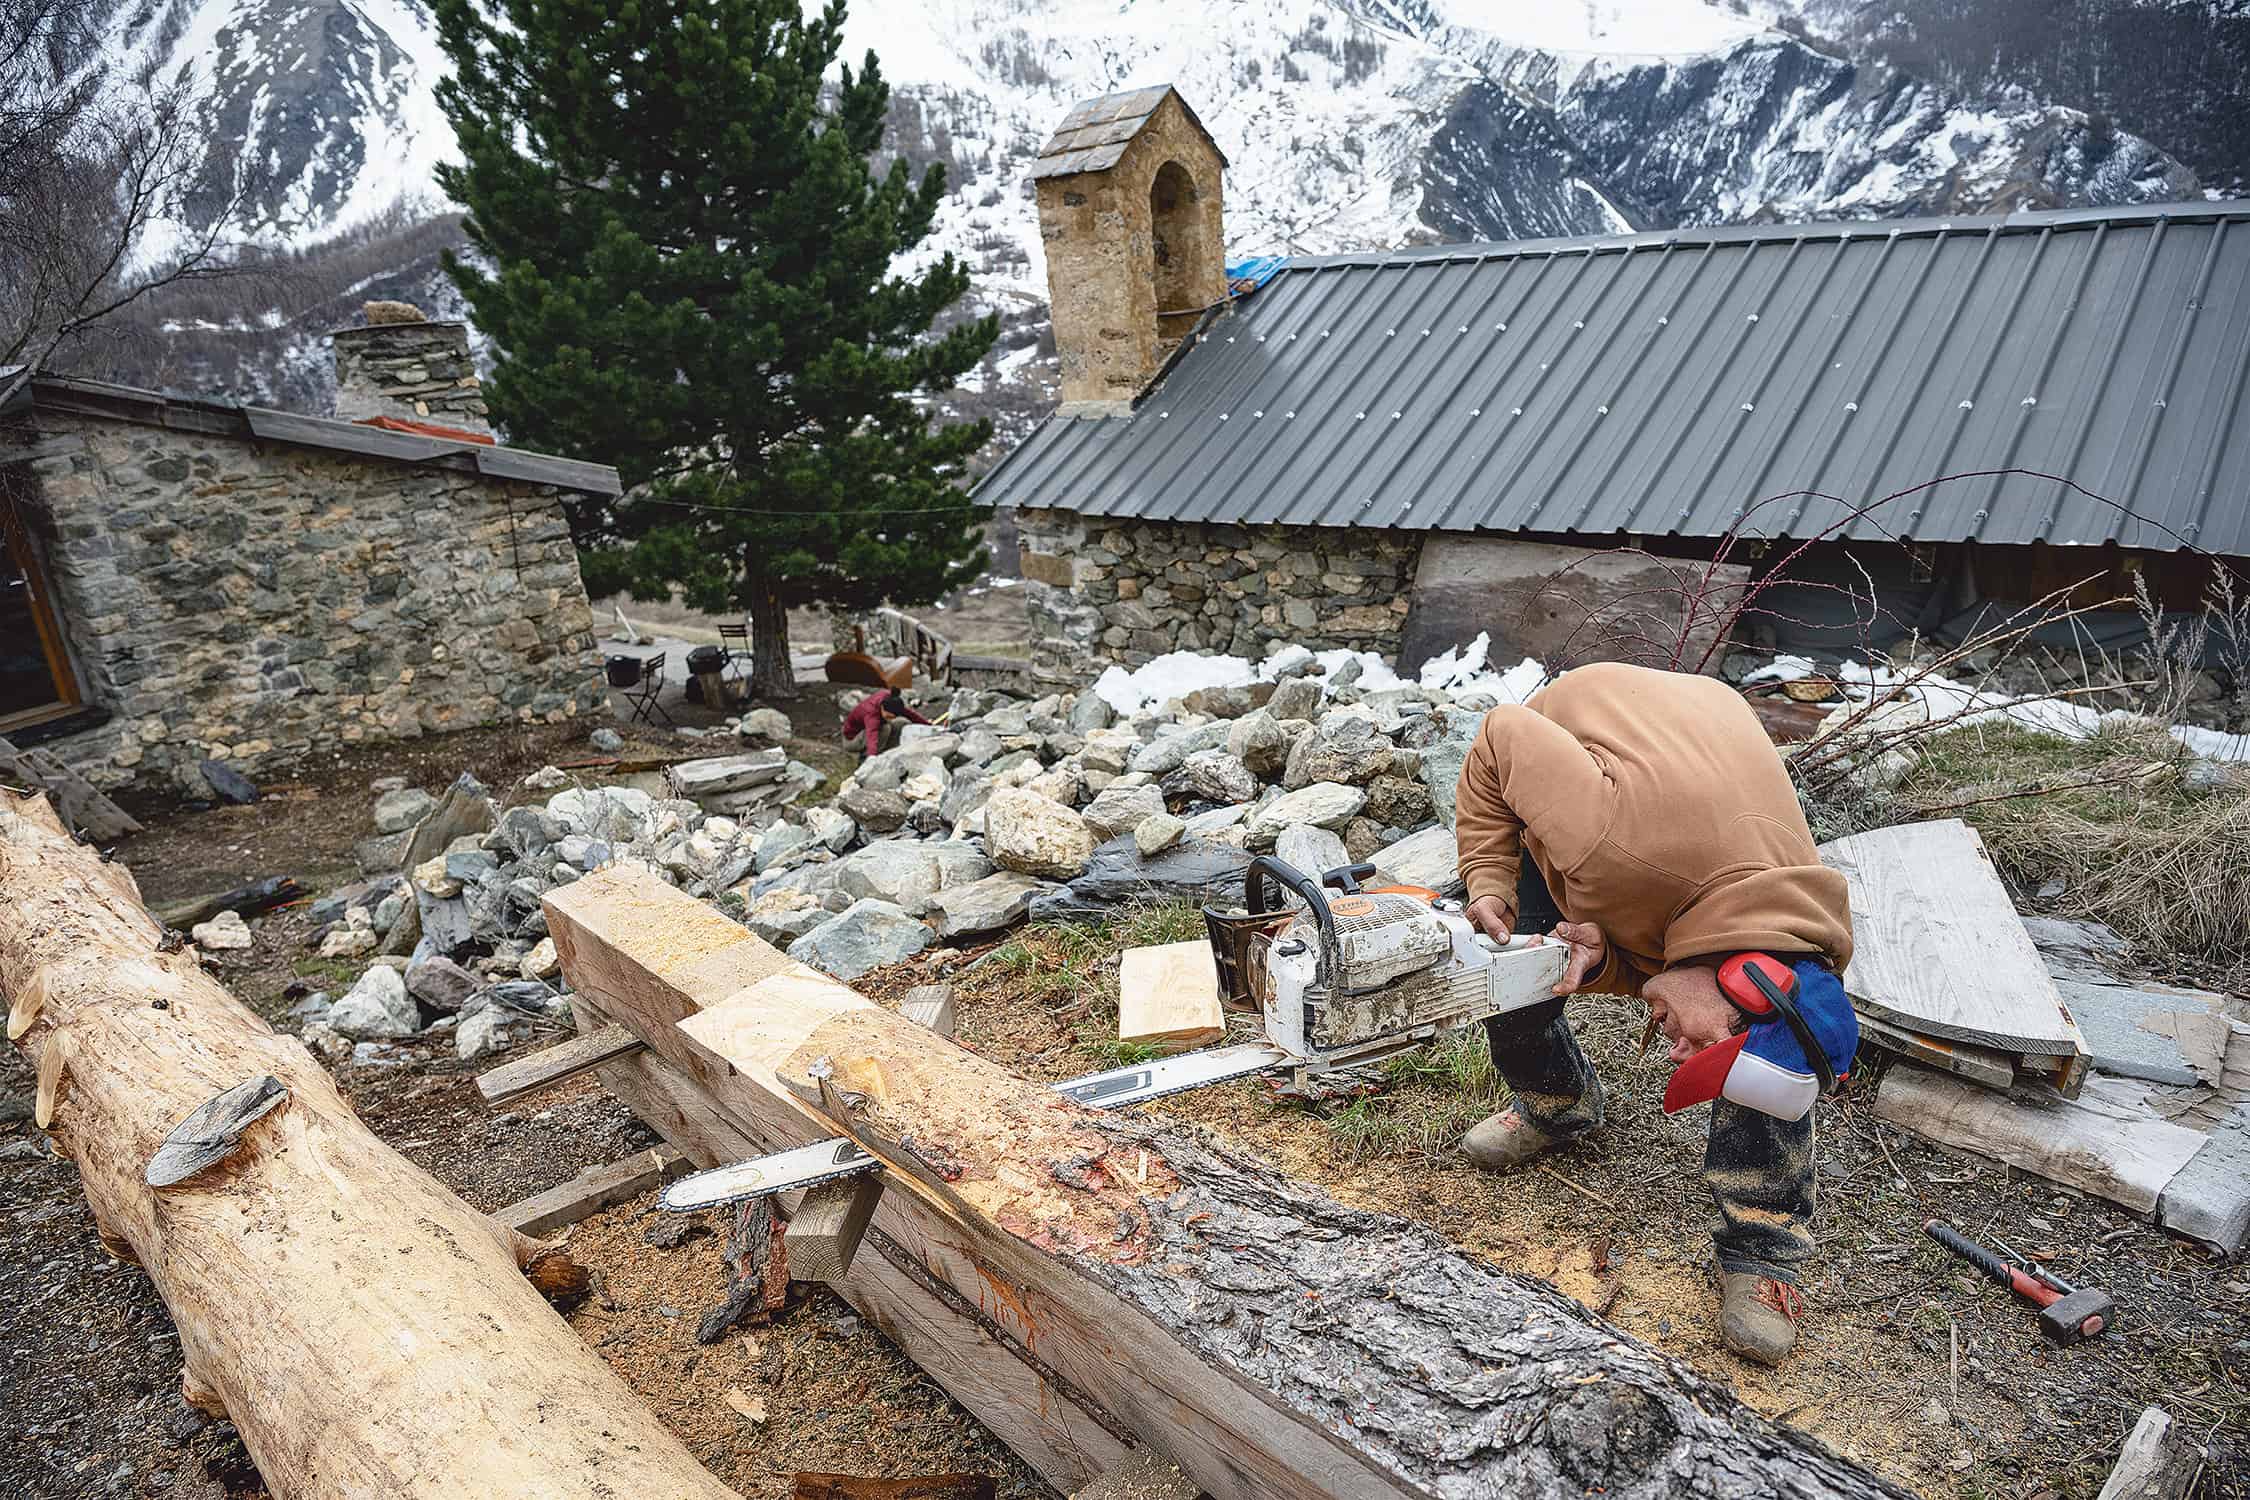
227,419
1663,383
1094,135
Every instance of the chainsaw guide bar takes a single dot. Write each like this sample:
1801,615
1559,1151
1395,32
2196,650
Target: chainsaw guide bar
805,1166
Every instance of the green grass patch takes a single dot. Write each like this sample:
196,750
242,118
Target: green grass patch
1431,1096
329,973
1122,1054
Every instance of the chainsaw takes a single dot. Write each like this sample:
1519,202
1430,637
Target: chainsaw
1349,976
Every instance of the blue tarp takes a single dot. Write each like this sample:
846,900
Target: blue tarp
1246,276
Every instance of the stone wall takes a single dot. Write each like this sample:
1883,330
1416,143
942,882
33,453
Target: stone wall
1106,590
419,371
259,603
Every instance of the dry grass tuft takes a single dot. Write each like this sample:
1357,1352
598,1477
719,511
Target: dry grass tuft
1072,969
2117,819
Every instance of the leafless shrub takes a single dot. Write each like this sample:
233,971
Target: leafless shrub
92,166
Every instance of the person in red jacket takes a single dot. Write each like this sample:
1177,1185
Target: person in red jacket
867,716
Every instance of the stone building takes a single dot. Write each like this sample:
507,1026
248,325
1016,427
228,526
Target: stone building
184,580
1579,444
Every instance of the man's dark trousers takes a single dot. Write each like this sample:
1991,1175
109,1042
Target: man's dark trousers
1759,1169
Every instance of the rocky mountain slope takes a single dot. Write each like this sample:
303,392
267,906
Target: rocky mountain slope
1348,124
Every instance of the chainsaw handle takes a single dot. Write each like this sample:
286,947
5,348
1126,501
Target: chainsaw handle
1346,878
1254,889
1315,899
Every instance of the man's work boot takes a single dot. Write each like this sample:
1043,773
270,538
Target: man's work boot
1758,1315
1505,1141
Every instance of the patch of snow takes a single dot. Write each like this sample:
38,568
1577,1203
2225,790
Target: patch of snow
1172,675
1177,673
1630,28
1962,706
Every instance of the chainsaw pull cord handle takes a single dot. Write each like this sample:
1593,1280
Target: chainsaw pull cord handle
1346,878
1254,897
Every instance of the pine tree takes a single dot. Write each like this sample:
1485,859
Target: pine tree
687,273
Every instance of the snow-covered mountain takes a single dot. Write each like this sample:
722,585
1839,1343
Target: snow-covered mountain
1348,124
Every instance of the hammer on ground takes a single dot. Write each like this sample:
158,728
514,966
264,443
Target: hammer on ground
2066,1313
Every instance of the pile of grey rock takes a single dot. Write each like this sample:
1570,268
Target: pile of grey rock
1060,808
458,938
1050,808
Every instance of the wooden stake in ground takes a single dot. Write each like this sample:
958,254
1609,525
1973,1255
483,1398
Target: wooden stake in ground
366,1331
1268,1339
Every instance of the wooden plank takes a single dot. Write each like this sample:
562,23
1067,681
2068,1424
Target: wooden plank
1173,1297
83,807
1168,995
930,1005
2107,1141
2156,1463
825,1231
541,1070
1977,1064
1937,947
591,1191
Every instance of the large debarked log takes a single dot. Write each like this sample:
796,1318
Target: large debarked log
367,1332
1264,1337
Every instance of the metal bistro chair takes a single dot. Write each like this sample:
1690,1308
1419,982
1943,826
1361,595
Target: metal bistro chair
642,694
735,641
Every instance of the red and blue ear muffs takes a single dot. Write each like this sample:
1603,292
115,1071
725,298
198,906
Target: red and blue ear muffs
1798,1047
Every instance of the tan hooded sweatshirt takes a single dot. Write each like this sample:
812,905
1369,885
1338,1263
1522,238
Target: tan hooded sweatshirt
1659,811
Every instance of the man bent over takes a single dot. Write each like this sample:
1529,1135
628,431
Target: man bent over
1644,817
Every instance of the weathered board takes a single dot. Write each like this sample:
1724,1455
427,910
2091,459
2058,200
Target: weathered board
2158,1461
84,808
1168,995
591,1191
2106,1141
1268,1339
1977,1064
544,1069
1937,947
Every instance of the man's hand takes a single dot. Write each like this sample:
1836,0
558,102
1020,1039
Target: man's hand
1490,915
1686,1002
1588,947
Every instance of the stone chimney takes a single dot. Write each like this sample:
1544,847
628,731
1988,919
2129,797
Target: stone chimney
403,365
1129,213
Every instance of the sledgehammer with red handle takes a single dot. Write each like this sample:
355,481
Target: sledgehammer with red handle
2066,1313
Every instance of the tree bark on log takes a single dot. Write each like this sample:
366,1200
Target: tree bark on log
1263,1336
367,1332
